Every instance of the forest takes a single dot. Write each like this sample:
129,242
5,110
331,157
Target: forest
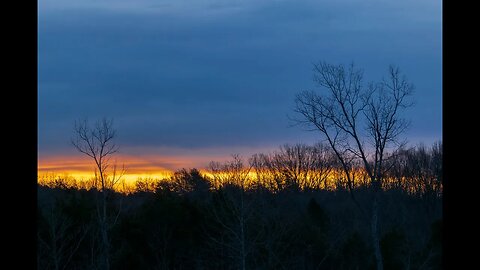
290,209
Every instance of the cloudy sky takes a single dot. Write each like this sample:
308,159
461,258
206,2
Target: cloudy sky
189,81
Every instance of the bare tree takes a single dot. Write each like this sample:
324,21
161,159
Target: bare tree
97,142
359,123
297,166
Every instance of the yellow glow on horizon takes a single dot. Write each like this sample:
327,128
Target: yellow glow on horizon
82,167
129,178
79,171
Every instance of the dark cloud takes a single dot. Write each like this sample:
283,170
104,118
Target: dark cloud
216,74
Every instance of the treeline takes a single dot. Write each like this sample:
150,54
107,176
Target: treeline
417,170
232,219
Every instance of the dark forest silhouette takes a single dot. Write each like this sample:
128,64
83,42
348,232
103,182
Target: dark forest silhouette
186,222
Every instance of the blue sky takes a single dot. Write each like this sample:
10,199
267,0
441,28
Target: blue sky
221,76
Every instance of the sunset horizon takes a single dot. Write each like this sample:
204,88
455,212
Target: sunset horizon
212,134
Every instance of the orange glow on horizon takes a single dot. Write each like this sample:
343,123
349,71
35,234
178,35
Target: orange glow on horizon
144,166
151,168
140,161
83,168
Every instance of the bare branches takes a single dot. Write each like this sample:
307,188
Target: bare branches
97,143
295,166
347,114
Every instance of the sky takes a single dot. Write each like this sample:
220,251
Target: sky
190,81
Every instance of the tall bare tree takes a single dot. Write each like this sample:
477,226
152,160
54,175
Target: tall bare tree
97,142
360,123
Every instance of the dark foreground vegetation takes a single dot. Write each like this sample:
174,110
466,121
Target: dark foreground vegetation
189,222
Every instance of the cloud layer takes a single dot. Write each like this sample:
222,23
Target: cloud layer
207,74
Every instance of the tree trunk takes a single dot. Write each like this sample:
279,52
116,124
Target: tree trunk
104,228
106,261
375,234
242,231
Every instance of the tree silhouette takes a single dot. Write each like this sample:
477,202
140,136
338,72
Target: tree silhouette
97,142
294,167
361,124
